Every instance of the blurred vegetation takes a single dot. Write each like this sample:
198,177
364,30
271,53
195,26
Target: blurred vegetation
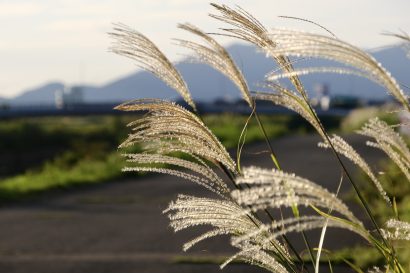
395,184
358,117
39,154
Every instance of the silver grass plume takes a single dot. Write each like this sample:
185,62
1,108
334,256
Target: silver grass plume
134,45
274,76
256,256
303,44
405,38
168,128
225,218
389,141
397,230
295,224
275,189
248,28
217,57
376,269
204,175
345,149
294,102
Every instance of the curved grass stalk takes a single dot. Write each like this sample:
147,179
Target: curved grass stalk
310,22
405,38
324,228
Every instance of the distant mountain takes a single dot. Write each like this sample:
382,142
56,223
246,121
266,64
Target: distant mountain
206,84
38,95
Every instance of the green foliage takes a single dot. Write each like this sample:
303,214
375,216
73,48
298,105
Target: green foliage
83,150
29,142
228,127
61,173
358,117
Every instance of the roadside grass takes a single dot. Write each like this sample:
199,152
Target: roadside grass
52,176
83,150
395,186
358,117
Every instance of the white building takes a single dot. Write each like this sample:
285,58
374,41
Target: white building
69,96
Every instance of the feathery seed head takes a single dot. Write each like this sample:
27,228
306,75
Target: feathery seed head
168,128
292,101
397,230
247,28
343,148
224,216
390,142
217,57
134,45
275,189
304,44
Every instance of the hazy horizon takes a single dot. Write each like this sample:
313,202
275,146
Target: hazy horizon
67,41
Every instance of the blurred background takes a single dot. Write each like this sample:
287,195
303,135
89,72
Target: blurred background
65,204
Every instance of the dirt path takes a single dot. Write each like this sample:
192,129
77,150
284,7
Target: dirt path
118,227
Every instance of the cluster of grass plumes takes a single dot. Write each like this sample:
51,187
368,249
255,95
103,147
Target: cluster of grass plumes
247,197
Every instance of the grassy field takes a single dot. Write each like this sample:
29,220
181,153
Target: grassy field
39,154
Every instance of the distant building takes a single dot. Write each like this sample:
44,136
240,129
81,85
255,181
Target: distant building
68,97
322,99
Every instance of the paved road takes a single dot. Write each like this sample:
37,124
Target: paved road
118,226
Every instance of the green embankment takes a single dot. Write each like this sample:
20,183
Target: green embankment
60,152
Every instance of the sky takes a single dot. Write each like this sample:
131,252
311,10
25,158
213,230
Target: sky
66,40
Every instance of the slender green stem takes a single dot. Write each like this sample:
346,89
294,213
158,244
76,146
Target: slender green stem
272,153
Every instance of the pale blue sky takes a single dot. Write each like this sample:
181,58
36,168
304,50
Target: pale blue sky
66,40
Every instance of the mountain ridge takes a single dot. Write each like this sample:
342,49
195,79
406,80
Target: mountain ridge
254,65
